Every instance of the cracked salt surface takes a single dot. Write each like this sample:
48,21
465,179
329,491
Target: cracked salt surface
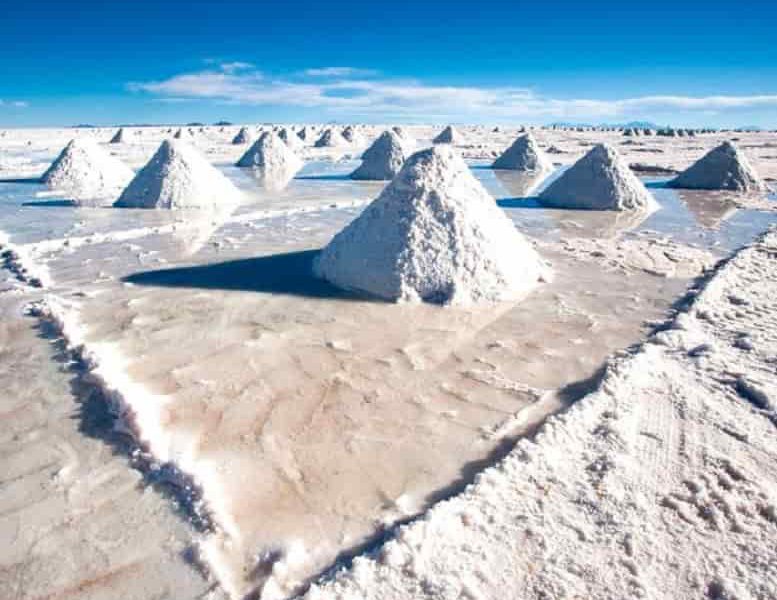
314,420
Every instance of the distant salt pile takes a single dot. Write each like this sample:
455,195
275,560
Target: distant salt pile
408,143
722,168
329,139
401,132
303,134
242,137
352,136
84,171
599,181
289,137
449,135
524,155
180,134
272,154
178,176
433,234
383,159
118,137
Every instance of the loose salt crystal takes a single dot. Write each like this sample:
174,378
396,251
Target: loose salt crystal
383,159
722,168
600,180
85,171
178,176
433,234
524,155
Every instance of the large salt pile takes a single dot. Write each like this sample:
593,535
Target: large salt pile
118,137
178,176
84,171
599,181
722,168
271,153
242,137
433,234
449,135
329,139
383,159
524,155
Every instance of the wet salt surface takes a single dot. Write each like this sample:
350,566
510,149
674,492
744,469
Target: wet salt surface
315,419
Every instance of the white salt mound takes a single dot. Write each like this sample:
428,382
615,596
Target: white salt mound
289,137
84,171
329,139
352,136
178,176
383,159
402,133
118,137
722,168
449,135
433,234
242,137
524,155
599,181
270,152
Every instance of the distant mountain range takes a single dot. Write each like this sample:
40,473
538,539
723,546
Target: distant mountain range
630,124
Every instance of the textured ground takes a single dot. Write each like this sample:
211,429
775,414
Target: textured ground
243,380
661,484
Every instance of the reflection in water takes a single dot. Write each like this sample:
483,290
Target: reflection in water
709,210
518,184
604,224
195,227
272,179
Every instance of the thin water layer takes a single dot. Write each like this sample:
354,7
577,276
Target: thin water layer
314,419
75,519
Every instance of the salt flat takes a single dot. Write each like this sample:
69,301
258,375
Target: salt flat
308,420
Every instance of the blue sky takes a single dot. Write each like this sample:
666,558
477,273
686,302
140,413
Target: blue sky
681,62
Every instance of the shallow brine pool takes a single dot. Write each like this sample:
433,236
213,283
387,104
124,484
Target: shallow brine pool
312,419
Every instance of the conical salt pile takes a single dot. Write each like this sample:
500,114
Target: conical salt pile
303,134
383,159
433,234
329,139
243,137
352,136
722,168
524,155
401,132
599,181
118,137
271,153
449,135
179,134
178,176
85,171
289,137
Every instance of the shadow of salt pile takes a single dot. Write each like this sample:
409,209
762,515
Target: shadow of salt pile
30,180
290,274
50,204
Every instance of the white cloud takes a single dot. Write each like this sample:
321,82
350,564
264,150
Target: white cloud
339,72
345,90
231,67
14,103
